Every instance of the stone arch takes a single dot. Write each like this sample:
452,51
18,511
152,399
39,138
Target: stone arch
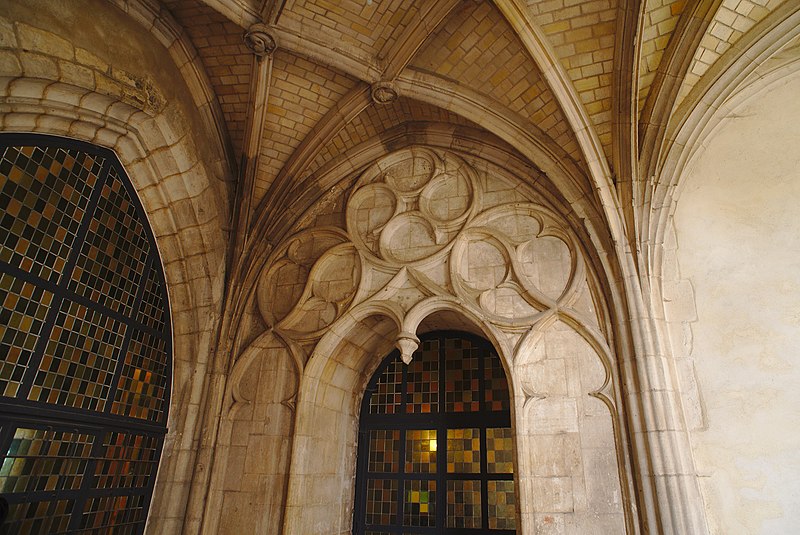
485,254
180,195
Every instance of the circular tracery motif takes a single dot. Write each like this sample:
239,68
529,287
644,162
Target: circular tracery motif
411,205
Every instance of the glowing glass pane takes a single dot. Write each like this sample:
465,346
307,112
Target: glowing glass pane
464,451
119,514
419,508
499,451
114,255
142,386
421,451
128,460
502,505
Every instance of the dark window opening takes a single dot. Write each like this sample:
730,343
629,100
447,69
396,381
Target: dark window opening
435,452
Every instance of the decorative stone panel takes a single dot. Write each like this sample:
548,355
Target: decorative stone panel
419,232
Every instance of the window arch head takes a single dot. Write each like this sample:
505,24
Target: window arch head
86,340
435,451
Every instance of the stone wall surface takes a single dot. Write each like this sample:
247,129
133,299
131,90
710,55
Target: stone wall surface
734,308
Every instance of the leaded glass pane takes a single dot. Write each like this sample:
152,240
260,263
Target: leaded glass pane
423,379
79,361
44,194
151,311
499,450
419,508
34,518
462,390
128,460
114,255
24,308
388,391
502,505
84,340
464,451
45,460
496,385
421,451
384,450
117,513
464,504
381,501
141,390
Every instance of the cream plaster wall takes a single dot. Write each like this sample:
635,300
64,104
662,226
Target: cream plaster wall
738,235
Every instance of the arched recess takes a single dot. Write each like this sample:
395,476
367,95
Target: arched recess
435,441
430,238
159,142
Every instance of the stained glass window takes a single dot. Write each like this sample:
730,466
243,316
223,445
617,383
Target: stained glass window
436,447
85,340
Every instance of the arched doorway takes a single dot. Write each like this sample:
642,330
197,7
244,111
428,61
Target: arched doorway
435,451
85,338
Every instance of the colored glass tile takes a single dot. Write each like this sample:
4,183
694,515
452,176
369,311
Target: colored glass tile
70,220
115,514
384,450
142,385
499,450
79,361
36,517
421,451
502,505
45,460
23,308
419,508
381,502
44,194
388,391
496,386
422,383
464,504
128,460
462,389
464,451
151,310
114,255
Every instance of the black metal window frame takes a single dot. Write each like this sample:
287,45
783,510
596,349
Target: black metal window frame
19,412
440,421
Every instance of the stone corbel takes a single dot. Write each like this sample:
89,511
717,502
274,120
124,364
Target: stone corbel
384,92
407,343
260,40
